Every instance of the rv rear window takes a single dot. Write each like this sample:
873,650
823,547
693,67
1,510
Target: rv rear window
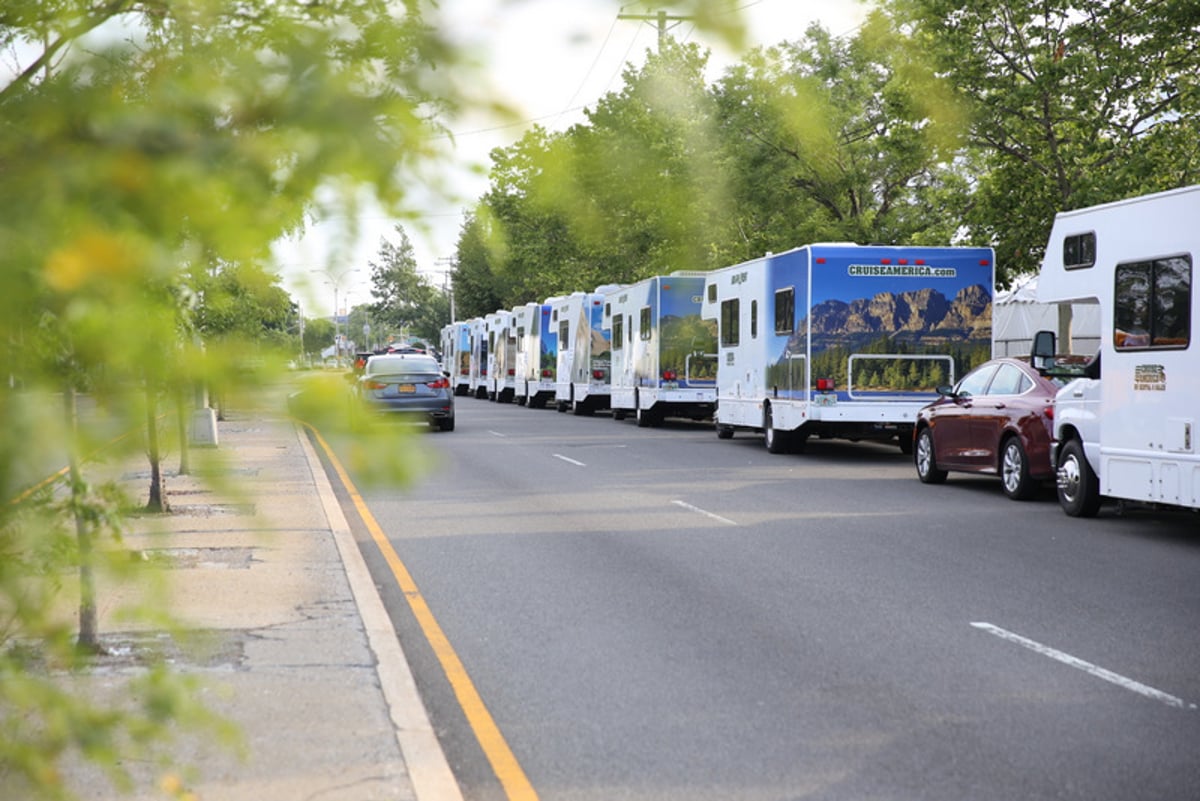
520,340
712,293
618,332
730,312
1079,251
785,310
754,319
564,333
644,331
1153,304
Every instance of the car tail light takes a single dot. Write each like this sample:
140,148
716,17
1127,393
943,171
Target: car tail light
668,375
440,383
374,385
1049,412
824,385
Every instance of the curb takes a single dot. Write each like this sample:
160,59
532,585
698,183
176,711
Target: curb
424,759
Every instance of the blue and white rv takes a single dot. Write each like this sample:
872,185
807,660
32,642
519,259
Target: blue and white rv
843,340
537,354
456,355
502,352
582,384
478,359
663,353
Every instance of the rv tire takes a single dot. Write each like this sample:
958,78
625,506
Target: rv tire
776,441
1078,487
724,432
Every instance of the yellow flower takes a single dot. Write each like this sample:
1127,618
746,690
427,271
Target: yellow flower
93,254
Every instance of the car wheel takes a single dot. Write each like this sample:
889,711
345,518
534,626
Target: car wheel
776,441
447,423
1014,470
927,469
1078,488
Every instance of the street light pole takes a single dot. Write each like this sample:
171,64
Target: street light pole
335,281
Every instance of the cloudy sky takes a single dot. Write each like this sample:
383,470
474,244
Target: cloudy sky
549,59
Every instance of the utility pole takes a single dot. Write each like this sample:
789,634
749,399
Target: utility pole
660,18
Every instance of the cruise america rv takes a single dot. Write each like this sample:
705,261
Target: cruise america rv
456,355
478,360
537,354
843,340
1126,429
663,353
584,352
502,356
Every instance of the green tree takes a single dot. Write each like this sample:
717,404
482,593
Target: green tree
404,300
174,140
1071,104
838,139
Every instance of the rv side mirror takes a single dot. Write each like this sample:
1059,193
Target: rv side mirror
1044,348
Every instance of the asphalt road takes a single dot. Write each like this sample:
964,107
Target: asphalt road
659,614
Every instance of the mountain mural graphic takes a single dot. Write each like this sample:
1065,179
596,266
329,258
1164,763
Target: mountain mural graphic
920,312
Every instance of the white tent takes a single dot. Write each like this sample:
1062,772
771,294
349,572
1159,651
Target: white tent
1017,316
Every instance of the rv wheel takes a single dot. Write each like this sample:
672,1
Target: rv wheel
1078,488
777,441
724,432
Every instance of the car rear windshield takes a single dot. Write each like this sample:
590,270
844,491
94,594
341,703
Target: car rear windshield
385,366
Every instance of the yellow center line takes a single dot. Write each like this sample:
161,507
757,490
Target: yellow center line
495,748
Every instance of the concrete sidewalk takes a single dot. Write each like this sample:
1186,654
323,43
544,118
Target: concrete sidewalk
303,657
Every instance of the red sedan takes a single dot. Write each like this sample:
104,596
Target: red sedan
997,420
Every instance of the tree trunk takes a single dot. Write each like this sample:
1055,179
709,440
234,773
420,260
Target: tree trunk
158,495
89,639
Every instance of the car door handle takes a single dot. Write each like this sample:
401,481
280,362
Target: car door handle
999,405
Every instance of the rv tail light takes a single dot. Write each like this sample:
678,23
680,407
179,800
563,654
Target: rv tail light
668,375
547,373
441,383
464,371
483,371
885,261
511,371
597,374
825,385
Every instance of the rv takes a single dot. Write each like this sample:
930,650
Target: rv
582,384
478,359
537,354
501,356
456,356
843,340
663,353
1126,428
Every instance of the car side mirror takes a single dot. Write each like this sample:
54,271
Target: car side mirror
946,391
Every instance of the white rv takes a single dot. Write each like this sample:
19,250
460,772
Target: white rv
1127,429
582,383
456,355
663,353
478,359
501,356
845,340
536,354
